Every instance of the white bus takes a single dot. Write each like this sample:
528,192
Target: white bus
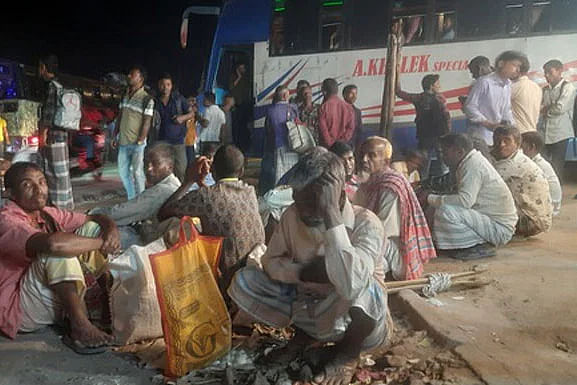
284,41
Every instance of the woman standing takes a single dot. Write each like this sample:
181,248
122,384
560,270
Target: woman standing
278,157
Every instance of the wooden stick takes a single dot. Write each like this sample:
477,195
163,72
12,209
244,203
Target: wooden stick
394,284
470,284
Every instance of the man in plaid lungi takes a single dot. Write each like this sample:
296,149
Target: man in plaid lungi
55,150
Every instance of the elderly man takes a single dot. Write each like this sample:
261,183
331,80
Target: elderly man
227,209
137,217
532,146
388,194
525,180
482,214
322,271
43,262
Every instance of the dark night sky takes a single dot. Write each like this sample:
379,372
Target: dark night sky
97,37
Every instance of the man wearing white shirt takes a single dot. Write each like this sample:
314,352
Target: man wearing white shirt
532,146
489,102
557,114
213,122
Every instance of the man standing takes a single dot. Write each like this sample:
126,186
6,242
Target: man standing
213,122
388,194
135,117
173,110
336,117
350,95
240,90
226,132
489,102
322,271
526,98
557,114
526,181
45,253
432,119
56,164
482,214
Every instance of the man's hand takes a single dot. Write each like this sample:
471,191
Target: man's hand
490,125
114,143
111,238
179,119
197,172
330,189
315,272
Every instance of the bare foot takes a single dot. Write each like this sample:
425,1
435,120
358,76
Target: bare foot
339,371
88,334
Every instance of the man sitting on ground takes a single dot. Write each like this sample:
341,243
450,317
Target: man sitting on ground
227,209
388,194
137,217
525,180
482,212
414,161
345,152
532,146
322,271
44,253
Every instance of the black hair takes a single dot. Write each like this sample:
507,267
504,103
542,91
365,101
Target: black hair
228,162
340,148
480,65
278,93
210,97
507,130
163,150
534,138
348,89
458,141
331,86
15,172
415,154
140,69
51,63
303,83
525,65
166,75
428,81
557,64
510,56
208,149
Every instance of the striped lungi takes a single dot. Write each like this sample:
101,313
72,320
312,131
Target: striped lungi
57,169
324,318
284,160
459,228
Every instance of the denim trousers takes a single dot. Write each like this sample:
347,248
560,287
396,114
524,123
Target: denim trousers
131,168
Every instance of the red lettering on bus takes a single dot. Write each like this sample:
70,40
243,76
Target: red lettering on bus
358,69
383,66
424,63
372,67
414,62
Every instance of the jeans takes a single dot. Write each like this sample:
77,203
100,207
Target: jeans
131,168
434,165
190,154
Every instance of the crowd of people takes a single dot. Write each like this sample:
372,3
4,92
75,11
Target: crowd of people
349,218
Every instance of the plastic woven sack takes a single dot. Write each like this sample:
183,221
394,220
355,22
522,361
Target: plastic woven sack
195,320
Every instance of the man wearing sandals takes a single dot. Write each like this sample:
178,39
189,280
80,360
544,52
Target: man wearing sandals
481,215
45,253
322,272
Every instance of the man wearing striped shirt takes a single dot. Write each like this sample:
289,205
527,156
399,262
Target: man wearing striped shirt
134,120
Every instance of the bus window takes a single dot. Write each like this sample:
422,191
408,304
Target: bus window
480,19
332,29
277,38
411,13
445,20
369,23
300,27
565,15
514,11
540,17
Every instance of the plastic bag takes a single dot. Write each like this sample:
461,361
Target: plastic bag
195,320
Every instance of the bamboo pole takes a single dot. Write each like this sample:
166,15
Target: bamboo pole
471,284
394,42
476,270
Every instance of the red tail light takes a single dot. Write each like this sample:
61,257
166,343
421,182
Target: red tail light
33,141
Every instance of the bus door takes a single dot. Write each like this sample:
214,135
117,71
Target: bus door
235,78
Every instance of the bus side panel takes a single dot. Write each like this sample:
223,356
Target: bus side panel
365,68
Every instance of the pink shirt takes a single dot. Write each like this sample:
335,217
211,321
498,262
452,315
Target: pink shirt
15,230
336,121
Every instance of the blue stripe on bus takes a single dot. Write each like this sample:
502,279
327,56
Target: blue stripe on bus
264,93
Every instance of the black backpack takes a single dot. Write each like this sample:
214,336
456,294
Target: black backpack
430,121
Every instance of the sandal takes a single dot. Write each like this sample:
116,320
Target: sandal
79,348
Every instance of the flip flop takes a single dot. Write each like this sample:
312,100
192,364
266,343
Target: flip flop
475,252
79,348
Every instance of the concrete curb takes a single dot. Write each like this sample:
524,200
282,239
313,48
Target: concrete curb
426,316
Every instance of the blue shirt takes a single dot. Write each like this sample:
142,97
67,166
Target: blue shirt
169,131
277,116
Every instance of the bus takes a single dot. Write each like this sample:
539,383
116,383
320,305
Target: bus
284,41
